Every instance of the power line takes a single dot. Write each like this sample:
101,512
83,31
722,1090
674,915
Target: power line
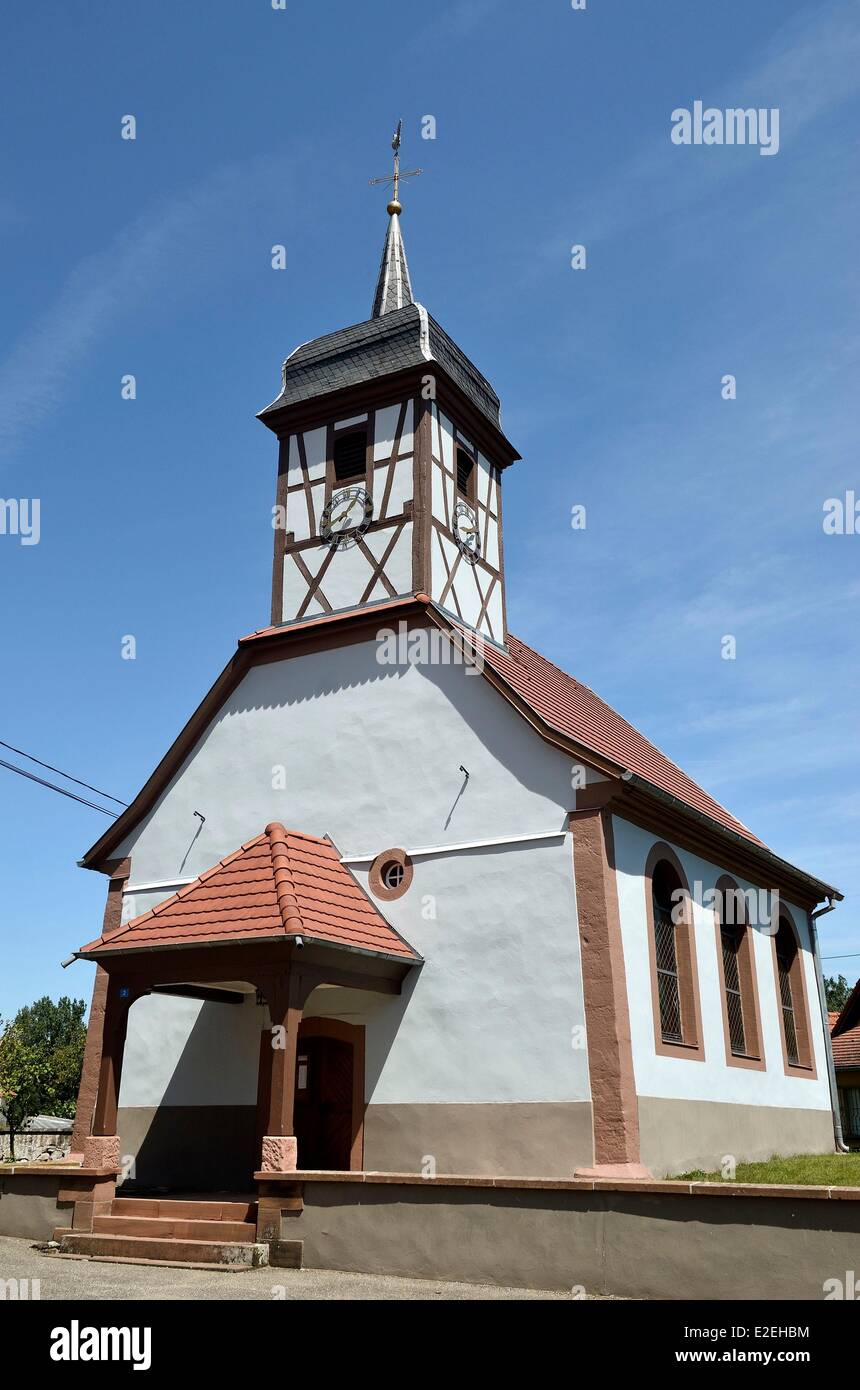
54,788
60,773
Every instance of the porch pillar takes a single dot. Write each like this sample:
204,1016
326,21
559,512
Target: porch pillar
101,1147
119,873
286,997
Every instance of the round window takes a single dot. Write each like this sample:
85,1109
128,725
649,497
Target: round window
392,875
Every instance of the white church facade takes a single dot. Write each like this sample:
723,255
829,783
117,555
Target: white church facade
445,910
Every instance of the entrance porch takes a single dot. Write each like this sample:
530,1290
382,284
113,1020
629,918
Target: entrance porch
282,918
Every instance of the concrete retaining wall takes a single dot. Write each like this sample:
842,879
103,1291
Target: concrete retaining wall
633,1240
29,1205
658,1241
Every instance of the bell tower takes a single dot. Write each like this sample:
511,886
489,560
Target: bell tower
390,465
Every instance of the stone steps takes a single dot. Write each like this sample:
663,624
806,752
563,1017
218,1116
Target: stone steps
208,1209
174,1249
169,1229
244,1232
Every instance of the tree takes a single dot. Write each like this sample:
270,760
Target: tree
41,1057
837,990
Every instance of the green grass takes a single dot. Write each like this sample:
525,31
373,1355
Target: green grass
823,1170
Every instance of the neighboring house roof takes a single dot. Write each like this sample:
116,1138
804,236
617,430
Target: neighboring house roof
378,347
280,884
845,1032
41,1124
556,704
846,1049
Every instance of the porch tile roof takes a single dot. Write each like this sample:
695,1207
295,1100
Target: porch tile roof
282,883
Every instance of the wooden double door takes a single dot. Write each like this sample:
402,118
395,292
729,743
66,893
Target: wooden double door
328,1110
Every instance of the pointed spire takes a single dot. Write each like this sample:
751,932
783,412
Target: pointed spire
393,287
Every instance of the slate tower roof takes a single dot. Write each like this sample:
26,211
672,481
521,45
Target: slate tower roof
400,334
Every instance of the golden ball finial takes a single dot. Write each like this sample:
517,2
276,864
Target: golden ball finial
394,207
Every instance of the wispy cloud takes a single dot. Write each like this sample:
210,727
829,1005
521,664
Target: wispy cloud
809,67
170,245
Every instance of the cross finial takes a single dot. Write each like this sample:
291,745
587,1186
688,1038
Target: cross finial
394,207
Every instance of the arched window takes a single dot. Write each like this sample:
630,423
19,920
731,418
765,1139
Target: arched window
736,955
663,886
791,1000
672,955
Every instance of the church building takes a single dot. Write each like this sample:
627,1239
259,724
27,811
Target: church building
405,897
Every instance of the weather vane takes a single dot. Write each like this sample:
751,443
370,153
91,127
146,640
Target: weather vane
394,206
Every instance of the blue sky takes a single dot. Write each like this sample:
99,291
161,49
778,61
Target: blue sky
256,127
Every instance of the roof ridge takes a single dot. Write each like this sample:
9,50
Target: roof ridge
288,903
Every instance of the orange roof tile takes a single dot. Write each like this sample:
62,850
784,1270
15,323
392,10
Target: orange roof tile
846,1048
845,1032
282,883
572,709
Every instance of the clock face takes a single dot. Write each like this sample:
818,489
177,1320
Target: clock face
347,516
466,531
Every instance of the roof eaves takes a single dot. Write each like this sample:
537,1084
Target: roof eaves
629,778
754,847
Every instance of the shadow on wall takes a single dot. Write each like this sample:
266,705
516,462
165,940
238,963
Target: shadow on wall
202,1134
295,685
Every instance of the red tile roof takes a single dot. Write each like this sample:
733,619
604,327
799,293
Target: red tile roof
282,883
845,1031
575,711
846,1048
562,705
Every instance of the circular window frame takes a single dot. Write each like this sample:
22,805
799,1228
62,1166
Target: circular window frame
382,864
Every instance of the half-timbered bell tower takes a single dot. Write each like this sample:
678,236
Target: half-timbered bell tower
390,466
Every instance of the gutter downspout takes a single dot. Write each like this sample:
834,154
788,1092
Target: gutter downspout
841,1146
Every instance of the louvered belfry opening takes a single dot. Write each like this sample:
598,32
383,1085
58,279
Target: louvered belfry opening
664,882
350,455
465,468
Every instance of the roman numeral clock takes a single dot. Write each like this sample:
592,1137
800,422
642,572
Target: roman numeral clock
391,463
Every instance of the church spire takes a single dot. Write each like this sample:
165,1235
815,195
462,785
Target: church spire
393,287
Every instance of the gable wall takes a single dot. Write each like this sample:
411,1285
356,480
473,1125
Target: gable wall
370,754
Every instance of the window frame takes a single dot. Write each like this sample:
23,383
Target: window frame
805,1066
846,1110
752,1058
692,1047
376,874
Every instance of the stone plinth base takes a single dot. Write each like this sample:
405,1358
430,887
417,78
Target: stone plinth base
627,1172
101,1151
280,1153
